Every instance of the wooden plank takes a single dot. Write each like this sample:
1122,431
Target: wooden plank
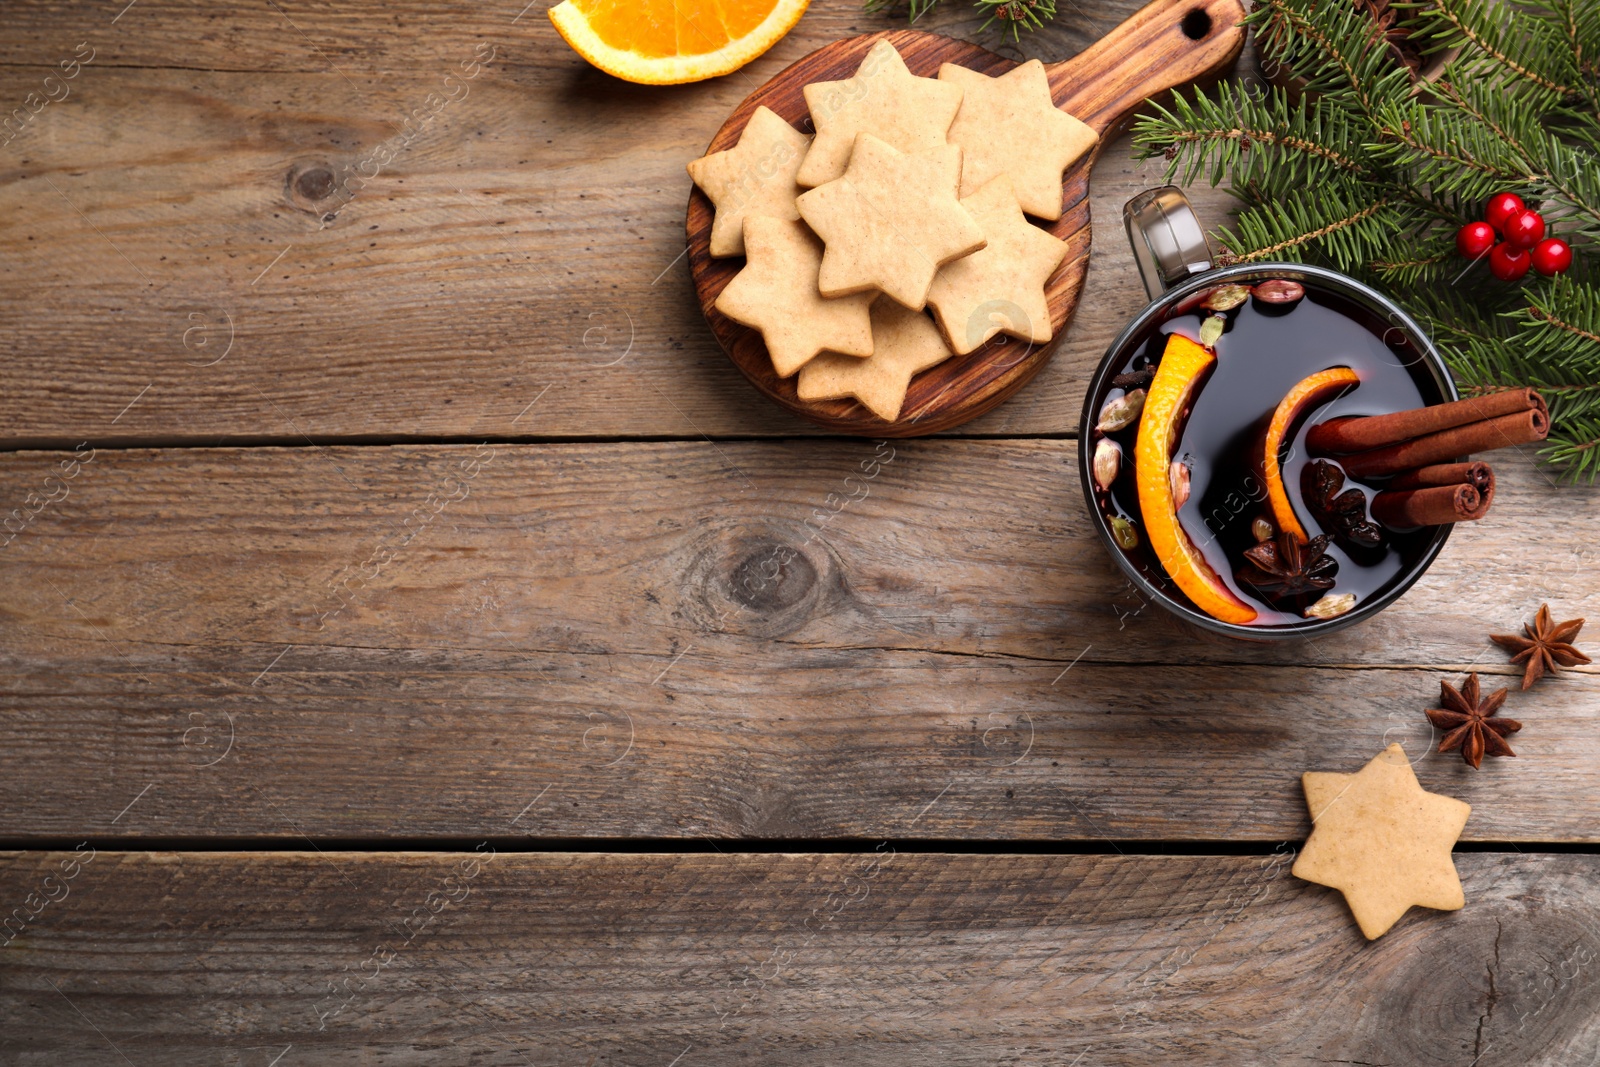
972,548
275,642
198,204
787,960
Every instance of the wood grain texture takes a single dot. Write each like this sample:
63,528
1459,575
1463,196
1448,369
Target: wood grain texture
527,235
743,639
876,959
1145,58
666,640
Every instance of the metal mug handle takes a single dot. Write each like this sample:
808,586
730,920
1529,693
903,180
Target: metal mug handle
1168,243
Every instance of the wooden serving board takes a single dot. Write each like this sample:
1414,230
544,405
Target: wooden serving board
1167,44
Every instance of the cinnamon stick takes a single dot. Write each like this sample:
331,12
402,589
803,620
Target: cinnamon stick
1433,506
1478,475
1520,428
1358,433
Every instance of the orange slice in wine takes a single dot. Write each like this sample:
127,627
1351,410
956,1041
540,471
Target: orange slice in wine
1183,364
1310,392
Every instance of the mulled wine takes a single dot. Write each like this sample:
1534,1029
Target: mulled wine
1195,441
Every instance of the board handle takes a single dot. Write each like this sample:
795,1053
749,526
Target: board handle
1165,44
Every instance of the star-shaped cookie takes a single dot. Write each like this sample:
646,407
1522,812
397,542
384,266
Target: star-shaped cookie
891,222
1379,838
1010,125
884,99
776,293
1000,288
754,177
903,343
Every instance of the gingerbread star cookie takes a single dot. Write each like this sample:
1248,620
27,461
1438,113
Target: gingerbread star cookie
1010,125
1382,841
903,343
891,222
1001,288
884,99
754,177
776,293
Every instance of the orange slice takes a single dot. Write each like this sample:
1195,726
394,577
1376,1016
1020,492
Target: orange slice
665,42
1310,392
1183,364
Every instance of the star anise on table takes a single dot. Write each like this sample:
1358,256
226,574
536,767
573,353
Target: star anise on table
1547,646
1345,513
1283,565
1472,721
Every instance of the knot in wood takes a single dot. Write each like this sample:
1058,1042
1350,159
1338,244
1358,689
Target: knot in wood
760,577
309,186
769,575
1520,980
315,184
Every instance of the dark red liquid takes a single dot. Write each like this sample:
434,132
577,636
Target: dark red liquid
1265,351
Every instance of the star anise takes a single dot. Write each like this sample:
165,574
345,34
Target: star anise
1547,647
1472,723
1283,565
1345,513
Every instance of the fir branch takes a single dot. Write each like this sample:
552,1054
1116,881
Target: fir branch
1562,324
1546,317
1374,178
915,9
1437,140
1488,38
1248,138
1580,23
1582,31
1576,450
1557,390
1535,157
1314,235
1409,264
1415,270
1288,34
1017,14
1572,179
1467,101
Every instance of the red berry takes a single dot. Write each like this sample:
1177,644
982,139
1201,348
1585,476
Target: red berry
1474,239
1524,229
1551,256
1508,262
1501,207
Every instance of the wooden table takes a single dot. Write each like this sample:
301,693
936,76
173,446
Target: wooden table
423,647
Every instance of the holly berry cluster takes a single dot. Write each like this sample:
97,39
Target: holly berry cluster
1513,236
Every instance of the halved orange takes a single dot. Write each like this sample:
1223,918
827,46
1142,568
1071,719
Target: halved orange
1309,392
1183,364
665,42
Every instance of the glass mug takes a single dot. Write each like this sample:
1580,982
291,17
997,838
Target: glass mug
1176,265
